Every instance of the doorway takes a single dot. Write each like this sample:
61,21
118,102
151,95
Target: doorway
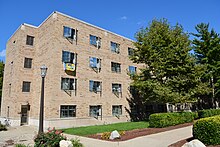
24,115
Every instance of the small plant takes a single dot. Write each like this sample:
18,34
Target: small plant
20,145
105,135
122,133
76,143
2,127
49,139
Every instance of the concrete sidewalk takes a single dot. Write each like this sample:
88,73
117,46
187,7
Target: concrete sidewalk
155,140
25,135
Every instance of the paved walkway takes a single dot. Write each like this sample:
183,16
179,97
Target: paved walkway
25,135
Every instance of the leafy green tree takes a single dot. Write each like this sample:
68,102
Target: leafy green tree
1,79
170,73
207,47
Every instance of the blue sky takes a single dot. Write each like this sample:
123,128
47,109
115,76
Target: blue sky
124,17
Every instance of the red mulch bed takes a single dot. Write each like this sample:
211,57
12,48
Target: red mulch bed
182,142
141,132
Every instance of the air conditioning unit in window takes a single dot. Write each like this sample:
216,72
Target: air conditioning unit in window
117,50
98,89
98,43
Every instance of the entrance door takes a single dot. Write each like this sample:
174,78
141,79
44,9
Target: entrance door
24,114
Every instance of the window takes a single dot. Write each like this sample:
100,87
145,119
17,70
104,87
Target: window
115,47
130,51
27,62
30,40
26,86
94,62
96,41
95,86
116,88
132,70
95,111
68,84
69,33
68,57
68,111
117,110
116,67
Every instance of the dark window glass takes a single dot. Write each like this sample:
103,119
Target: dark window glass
30,40
68,57
27,62
117,110
132,70
96,41
68,111
116,67
130,51
115,47
26,86
116,88
68,84
69,33
94,111
94,86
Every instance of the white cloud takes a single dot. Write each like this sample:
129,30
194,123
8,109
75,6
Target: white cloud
124,18
2,53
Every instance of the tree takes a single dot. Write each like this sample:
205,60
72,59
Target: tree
1,79
169,73
207,46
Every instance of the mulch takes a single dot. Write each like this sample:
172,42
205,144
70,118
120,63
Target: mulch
182,142
141,132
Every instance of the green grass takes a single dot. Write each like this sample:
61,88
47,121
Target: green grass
83,131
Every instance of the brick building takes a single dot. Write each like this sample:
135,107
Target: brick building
87,80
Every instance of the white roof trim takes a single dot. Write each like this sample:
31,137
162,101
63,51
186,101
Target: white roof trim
93,25
25,24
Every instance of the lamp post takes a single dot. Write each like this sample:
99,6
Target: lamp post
41,117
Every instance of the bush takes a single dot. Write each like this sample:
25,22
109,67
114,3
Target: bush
76,143
2,127
20,145
207,130
160,120
49,139
208,113
106,135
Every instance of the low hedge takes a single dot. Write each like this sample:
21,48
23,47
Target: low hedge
160,120
208,113
207,130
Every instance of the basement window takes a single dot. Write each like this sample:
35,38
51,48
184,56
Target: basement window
67,111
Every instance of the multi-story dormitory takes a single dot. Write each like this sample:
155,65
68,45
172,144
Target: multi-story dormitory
87,80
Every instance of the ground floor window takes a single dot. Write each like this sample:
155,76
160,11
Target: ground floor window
67,111
116,110
95,111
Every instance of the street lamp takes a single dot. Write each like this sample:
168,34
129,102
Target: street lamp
41,117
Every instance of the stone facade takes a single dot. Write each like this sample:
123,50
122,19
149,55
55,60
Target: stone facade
49,42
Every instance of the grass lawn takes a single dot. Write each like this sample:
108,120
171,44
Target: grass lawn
83,131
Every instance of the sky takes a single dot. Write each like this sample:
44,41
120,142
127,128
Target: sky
124,17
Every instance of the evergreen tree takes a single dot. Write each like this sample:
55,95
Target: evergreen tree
207,47
169,73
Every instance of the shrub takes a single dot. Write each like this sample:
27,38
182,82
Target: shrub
208,113
49,139
106,135
160,120
20,145
76,143
207,130
2,127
